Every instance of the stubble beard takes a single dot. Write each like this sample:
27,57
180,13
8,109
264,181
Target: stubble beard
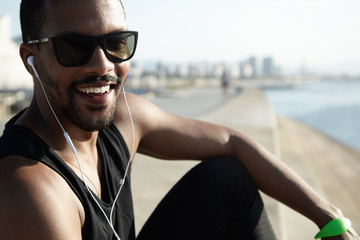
92,123
75,114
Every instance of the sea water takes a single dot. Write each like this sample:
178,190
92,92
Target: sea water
332,107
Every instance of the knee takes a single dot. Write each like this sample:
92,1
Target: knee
242,196
232,178
227,169
226,175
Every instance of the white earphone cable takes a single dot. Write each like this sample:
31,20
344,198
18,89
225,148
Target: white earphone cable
73,149
122,181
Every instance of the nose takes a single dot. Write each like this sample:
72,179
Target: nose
99,64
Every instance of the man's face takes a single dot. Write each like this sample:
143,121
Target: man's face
86,95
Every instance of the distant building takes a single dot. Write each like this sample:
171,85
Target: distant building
267,67
13,74
254,67
249,68
246,70
270,69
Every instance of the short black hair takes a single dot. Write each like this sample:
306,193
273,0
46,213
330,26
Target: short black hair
33,17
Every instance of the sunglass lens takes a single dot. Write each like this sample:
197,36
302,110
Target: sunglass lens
120,47
72,51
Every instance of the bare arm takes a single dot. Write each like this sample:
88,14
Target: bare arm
168,136
36,203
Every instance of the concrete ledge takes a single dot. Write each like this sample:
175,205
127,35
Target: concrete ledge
252,114
331,168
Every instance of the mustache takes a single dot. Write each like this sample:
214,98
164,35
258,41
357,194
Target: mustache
108,78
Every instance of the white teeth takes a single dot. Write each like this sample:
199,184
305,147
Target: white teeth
96,90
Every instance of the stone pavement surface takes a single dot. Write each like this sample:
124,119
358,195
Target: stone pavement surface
327,166
331,168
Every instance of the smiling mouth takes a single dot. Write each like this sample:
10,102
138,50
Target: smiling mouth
96,90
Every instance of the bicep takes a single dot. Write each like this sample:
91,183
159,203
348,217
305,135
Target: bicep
37,205
168,136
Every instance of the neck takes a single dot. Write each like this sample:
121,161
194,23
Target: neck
41,120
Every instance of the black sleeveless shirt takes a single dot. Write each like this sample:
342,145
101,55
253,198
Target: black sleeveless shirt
19,140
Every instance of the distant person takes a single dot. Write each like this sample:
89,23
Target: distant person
225,81
65,160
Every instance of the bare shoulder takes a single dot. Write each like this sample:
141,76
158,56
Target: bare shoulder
145,115
139,106
35,202
145,112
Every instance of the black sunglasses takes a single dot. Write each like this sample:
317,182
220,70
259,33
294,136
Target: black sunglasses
76,50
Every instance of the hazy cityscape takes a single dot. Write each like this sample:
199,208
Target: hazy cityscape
154,75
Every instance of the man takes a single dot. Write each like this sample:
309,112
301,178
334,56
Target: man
56,187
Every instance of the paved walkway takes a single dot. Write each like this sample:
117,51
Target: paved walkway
326,165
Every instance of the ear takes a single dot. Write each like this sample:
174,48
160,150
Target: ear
25,51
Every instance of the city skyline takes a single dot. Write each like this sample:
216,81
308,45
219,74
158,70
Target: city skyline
317,35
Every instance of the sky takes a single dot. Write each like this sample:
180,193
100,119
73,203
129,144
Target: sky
316,34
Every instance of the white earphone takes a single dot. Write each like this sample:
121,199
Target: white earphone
30,61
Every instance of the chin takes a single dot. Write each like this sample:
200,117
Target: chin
94,123
92,118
